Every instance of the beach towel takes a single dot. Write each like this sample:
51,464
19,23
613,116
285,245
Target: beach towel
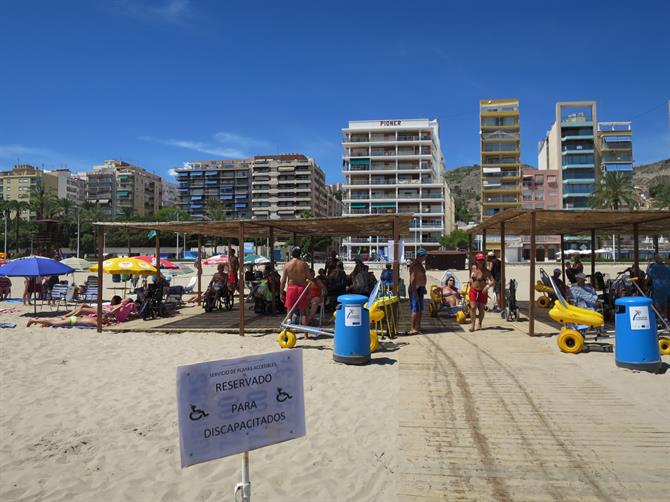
7,325
76,326
9,311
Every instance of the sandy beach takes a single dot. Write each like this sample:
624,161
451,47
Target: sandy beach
494,415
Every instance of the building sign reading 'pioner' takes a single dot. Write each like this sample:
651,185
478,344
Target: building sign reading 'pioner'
236,405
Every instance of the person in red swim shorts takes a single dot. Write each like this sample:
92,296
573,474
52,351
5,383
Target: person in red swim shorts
481,280
294,281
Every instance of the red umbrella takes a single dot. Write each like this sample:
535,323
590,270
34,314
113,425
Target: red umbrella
152,259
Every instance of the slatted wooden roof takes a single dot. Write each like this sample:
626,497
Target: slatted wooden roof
351,226
573,222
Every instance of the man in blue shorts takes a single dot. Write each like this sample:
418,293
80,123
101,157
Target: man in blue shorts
417,288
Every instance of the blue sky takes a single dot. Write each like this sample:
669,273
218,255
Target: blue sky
160,82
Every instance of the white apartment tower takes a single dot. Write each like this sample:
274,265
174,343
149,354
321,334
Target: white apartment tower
395,166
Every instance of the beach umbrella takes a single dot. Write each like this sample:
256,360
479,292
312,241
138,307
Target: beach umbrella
254,259
152,260
215,260
34,266
130,266
76,263
181,271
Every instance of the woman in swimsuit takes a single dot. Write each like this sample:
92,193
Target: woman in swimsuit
481,280
450,293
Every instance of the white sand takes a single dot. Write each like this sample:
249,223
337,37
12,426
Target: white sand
92,417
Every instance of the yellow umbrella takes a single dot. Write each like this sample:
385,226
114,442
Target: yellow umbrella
130,266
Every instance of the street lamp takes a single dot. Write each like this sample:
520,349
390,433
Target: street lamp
78,209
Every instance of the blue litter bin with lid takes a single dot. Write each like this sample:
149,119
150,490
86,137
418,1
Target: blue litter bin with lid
352,330
636,336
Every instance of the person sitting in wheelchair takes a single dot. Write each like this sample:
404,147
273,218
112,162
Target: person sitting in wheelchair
216,286
450,294
583,296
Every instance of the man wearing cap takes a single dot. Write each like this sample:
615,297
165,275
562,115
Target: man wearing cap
584,296
417,288
481,280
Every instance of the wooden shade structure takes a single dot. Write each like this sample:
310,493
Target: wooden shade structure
534,222
388,225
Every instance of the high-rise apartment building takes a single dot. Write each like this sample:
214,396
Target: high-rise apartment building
500,143
226,180
395,166
570,149
168,194
69,186
18,183
287,185
118,188
540,189
615,147
280,186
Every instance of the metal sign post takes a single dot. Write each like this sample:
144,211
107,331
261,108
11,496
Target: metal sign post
245,486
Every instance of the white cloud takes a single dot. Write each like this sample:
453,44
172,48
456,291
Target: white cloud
169,11
200,146
228,138
224,144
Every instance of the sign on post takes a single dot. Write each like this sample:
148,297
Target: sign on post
236,405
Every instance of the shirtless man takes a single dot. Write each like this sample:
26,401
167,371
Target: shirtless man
481,280
233,270
295,273
417,288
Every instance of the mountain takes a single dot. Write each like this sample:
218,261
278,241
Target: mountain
647,176
465,185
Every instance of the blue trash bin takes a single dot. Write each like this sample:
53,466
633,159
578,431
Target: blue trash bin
636,337
352,330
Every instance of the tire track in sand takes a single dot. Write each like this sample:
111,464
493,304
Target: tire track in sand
576,461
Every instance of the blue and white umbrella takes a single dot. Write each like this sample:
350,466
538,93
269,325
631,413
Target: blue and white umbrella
34,266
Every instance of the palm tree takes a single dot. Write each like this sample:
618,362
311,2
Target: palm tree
5,212
215,212
18,207
43,201
615,190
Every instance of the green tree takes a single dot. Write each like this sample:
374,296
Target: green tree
171,214
457,239
661,196
17,207
614,191
43,202
215,212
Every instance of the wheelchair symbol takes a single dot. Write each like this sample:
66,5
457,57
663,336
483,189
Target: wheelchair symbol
283,396
196,413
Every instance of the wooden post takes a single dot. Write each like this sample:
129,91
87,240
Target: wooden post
101,252
593,255
563,256
531,297
271,248
502,264
396,257
636,244
483,250
655,239
241,278
199,269
158,256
